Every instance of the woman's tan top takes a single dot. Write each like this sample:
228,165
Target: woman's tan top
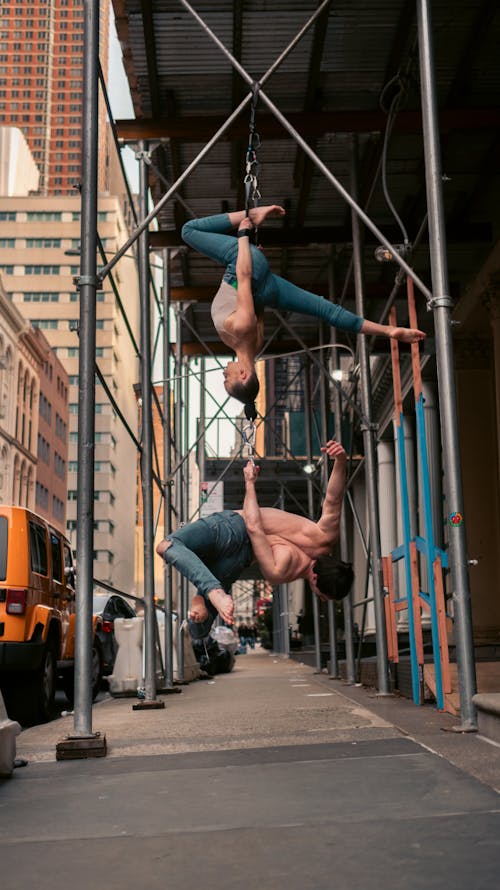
223,304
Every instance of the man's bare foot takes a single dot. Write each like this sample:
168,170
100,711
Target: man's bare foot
259,214
223,603
198,611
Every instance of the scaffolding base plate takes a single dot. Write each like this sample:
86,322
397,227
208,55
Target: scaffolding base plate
148,705
81,747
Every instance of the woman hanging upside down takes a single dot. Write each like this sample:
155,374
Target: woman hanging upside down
248,286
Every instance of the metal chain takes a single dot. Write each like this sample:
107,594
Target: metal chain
248,434
252,166
252,196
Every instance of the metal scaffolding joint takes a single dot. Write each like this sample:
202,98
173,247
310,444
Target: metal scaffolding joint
143,155
91,280
442,302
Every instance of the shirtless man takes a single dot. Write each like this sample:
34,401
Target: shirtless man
213,552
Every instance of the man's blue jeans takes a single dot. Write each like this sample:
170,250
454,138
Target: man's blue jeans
210,552
208,236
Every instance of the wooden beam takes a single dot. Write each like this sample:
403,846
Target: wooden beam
308,124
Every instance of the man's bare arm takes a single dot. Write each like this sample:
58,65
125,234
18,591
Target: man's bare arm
329,521
274,562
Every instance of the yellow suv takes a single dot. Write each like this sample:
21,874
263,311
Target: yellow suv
37,616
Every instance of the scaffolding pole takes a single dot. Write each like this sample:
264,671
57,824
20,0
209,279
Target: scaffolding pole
147,440
368,430
186,473
343,542
310,501
332,618
284,599
179,496
87,285
442,306
167,469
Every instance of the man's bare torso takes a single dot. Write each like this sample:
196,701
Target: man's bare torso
302,537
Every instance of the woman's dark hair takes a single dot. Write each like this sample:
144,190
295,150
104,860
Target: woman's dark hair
250,411
246,392
334,577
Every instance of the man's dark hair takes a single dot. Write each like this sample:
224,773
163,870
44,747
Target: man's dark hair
245,392
334,577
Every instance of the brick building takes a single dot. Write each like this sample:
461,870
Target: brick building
41,83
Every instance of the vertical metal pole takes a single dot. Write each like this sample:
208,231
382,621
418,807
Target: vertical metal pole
147,436
442,306
332,640
332,628
276,620
167,469
343,542
284,602
310,500
369,445
187,474
179,494
86,391
187,393
202,426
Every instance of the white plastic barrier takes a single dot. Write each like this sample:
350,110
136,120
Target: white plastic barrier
9,729
128,671
192,669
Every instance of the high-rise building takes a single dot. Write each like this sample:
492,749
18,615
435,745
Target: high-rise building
41,78
40,237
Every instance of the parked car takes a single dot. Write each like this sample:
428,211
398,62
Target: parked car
37,616
107,607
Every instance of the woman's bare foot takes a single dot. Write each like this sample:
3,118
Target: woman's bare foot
259,214
407,335
198,611
223,603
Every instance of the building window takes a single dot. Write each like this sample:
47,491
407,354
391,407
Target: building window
42,270
44,215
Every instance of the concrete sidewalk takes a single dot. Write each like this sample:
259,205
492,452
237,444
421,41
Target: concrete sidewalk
271,776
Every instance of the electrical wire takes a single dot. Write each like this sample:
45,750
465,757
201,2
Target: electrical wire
393,109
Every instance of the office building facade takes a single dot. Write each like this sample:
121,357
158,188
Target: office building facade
40,237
